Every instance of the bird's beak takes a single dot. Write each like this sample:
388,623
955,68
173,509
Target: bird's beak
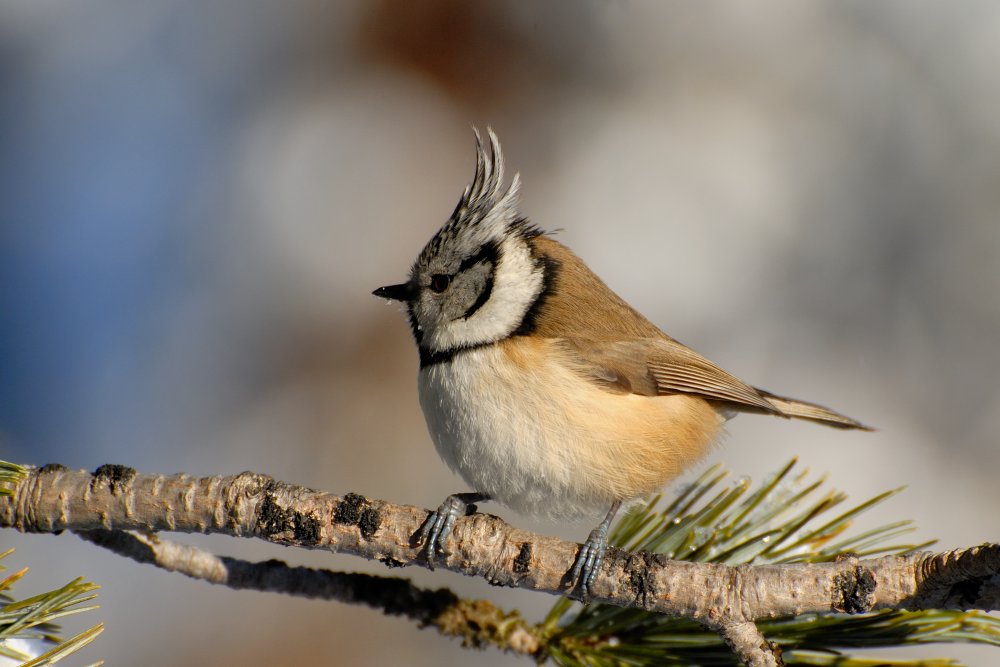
394,292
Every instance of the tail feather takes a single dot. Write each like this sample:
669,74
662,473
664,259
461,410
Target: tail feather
790,407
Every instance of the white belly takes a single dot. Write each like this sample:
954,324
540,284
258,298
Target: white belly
542,440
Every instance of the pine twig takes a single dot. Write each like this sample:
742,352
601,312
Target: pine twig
721,596
749,645
478,623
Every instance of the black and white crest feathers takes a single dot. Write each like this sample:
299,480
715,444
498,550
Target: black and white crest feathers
476,279
486,203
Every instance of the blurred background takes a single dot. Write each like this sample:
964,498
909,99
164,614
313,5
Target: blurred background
197,199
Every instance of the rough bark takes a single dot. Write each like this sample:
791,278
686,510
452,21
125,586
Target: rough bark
729,599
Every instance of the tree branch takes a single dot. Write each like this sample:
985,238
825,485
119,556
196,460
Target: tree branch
477,623
726,598
747,642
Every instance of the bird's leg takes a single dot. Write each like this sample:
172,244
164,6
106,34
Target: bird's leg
590,555
439,522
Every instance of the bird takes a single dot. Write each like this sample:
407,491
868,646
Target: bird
542,388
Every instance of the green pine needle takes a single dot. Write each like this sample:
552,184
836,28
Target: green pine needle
32,618
10,474
71,645
787,519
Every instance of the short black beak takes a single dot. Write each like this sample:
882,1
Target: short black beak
394,292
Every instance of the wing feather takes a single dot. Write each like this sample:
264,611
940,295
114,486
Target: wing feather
656,366
813,412
623,352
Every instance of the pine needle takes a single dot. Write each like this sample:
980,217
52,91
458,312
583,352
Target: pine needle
786,519
32,618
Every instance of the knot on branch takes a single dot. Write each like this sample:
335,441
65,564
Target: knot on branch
854,590
117,478
276,519
356,510
522,562
642,578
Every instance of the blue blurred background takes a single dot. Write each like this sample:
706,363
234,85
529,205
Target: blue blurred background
196,199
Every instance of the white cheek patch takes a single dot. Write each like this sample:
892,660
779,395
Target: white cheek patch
517,283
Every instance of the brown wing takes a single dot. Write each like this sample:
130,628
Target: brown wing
624,352
656,366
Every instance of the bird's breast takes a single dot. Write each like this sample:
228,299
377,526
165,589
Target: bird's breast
519,420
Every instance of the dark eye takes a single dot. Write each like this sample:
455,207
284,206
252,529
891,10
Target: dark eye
440,282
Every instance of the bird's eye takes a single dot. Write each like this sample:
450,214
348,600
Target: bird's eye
440,282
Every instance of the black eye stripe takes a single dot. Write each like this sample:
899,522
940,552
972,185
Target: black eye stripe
481,300
490,252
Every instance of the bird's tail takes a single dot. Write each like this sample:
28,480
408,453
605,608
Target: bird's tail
790,407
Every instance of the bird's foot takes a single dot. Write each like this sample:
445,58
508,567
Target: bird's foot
591,555
439,523
588,562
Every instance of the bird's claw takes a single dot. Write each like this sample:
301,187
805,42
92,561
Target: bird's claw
588,562
591,555
439,523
